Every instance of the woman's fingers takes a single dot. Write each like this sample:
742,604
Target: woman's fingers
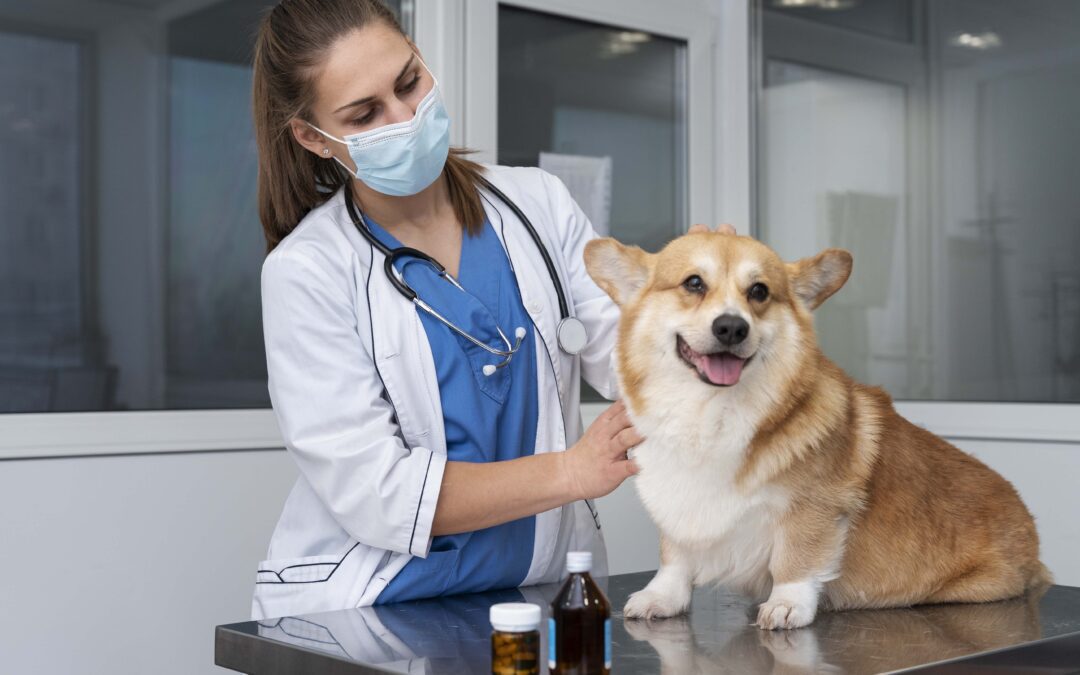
627,438
620,422
613,411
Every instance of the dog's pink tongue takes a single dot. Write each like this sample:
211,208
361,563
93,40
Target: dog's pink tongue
722,368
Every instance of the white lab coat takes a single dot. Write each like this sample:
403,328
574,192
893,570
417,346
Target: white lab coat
353,386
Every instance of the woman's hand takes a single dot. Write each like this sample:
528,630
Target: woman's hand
597,463
475,495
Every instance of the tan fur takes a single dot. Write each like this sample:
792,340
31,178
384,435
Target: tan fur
903,516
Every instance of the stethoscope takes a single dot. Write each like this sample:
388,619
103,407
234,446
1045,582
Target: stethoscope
570,333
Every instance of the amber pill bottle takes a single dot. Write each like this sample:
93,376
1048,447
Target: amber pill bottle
515,639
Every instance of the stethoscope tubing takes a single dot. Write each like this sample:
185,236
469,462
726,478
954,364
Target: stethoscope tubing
402,287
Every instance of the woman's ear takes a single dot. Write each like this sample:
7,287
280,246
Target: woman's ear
312,140
815,279
620,270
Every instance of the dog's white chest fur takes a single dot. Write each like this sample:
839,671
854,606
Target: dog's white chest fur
689,462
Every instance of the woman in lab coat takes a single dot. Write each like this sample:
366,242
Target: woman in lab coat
422,473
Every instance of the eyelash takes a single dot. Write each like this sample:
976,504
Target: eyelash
407,89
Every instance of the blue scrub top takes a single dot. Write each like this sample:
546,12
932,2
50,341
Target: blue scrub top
487,418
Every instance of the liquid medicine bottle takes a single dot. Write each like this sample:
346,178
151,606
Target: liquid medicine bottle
579,630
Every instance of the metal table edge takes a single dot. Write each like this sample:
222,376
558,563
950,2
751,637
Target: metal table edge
277,657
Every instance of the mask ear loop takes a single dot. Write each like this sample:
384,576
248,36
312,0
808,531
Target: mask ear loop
333,138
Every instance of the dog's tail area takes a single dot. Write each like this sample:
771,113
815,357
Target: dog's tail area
1040,577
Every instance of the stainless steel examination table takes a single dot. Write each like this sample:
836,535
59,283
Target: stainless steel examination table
1034,634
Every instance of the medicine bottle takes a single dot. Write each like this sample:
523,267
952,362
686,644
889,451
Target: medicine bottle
579,630
515,639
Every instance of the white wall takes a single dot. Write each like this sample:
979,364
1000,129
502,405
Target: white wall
126,564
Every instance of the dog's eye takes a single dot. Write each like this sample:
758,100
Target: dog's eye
694,284
758,292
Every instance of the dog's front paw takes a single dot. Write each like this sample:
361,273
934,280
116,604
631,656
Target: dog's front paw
784,613
649,604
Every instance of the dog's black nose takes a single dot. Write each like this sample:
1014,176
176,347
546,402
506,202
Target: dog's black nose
730,329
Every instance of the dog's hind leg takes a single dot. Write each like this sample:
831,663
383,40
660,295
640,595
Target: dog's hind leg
983,584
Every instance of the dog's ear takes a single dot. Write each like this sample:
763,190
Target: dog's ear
620,270
815,279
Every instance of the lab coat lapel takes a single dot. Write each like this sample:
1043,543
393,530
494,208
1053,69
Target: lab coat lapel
537,292
406,365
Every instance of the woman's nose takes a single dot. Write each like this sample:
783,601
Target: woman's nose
402,107
399,111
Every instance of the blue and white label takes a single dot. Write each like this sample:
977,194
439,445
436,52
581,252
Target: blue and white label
607,643
551,643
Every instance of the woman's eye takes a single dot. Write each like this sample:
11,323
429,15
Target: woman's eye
364,119
694,284
759,292
411,85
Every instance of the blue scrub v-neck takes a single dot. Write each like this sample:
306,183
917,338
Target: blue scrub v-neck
486,418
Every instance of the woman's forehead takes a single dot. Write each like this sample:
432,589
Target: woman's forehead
364,62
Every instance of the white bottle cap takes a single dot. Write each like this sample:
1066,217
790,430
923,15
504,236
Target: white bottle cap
515,617
579,561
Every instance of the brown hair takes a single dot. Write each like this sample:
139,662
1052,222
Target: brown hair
292,42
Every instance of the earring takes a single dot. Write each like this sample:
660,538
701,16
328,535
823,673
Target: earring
325,152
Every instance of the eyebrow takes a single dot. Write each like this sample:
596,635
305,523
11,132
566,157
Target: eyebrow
369,99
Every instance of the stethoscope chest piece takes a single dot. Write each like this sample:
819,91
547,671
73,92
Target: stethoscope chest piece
571,335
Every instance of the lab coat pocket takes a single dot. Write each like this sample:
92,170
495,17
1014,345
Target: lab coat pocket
306,570
290,586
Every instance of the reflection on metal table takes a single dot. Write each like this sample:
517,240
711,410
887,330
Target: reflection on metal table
1036,633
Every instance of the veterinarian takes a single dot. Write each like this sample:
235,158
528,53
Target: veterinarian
427,321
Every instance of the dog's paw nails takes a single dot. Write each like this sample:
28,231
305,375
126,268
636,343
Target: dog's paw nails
646,604
776,614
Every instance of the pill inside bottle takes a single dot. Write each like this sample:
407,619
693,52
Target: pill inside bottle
515,639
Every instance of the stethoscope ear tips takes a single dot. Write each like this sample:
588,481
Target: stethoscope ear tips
489,370
520,333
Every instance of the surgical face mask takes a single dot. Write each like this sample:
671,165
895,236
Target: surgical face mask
404,158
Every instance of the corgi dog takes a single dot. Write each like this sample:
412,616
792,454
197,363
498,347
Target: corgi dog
769,470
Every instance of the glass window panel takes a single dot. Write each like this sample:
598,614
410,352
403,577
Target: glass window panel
891,19
215,355
130,248
955,190
44,337
576,88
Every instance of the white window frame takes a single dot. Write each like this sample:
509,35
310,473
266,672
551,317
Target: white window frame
458,38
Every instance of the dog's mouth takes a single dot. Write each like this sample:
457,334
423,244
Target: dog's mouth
721,369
